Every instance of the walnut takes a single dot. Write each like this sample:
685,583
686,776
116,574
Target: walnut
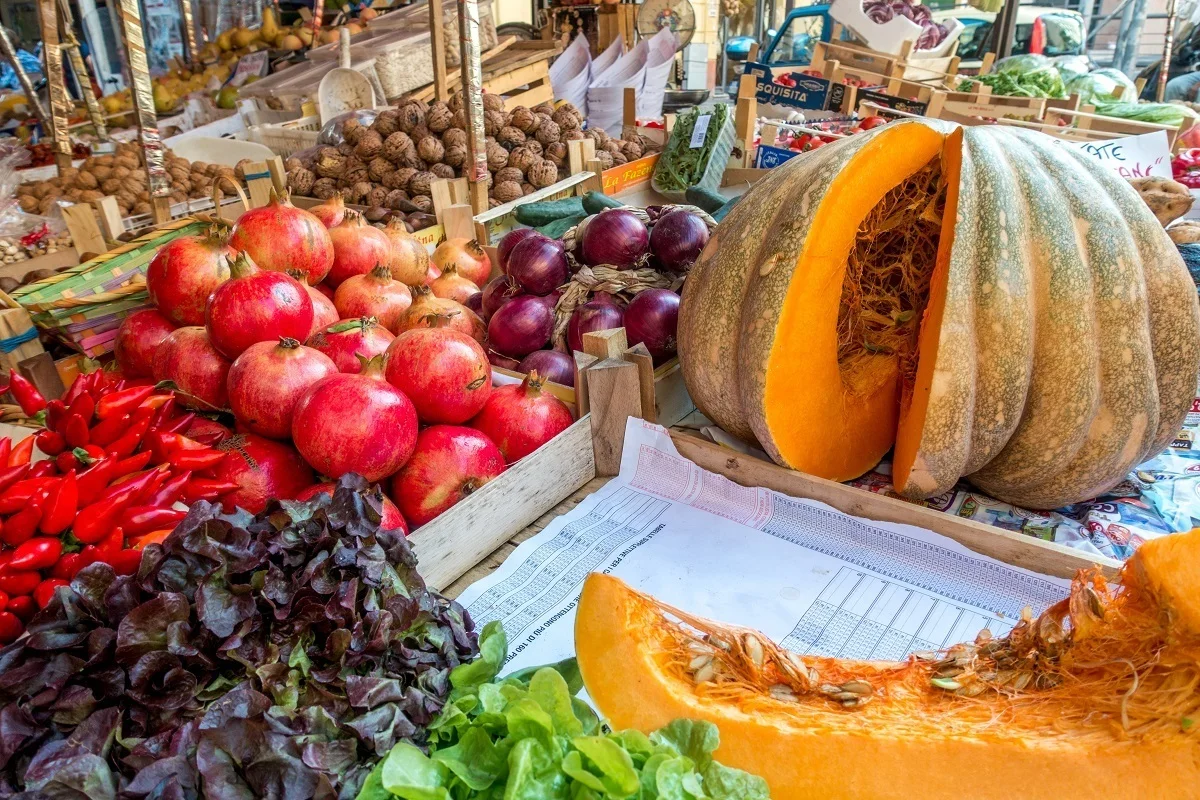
86,180
535,147
403,176
411,159
358,175
396,199
359,192
376,196
111,186
509,174
396,145
354,162
544,108
430,149
378,167
619,158
631,150
178,174
611,146
419,184
324,188
386,123
497,157
572,136
352,130
423,202
543,174
523,158
90,196
605,158
459,120
567,118
369,146
29,204
454,136
438,118
548,132
457,101
492,102
393,179
419,132
556,153
493,121
510,137
507,191
528,188
346,149
456,155
331,166
289,164
142,208
442,170
523,120
410,116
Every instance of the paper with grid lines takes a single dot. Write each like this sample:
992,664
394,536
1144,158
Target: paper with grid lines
810,577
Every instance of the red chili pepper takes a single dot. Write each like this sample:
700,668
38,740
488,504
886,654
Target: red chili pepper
60,508
10,475
78,458
128,466
157,479
50,442
170,491
18,584
165,412
109,546
3,601
44,593
181,424
139,520
20,527
5,558
106,432
11,627
25,393
75,431
56,412
196,460
23,606
126,562
5,450
83,406
21,452
21,492
95,479
36,554
69,565
98,384
123,402
124,446
77,387
97,520
154,537
206,489
43,469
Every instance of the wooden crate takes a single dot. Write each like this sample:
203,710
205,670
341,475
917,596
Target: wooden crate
519,70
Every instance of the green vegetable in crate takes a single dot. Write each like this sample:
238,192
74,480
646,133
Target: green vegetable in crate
544,212
558,227
681,165
595,202
1172,114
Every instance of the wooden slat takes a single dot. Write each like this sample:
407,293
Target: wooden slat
613,397
1012,548
465,534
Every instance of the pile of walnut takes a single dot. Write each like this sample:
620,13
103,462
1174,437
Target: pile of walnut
121,174
392,163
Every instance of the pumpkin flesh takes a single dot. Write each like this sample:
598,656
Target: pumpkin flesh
1083,721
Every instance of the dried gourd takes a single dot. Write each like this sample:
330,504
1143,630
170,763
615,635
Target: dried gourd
1168,199
1101,692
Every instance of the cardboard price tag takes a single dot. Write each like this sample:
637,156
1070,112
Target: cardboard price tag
699,132
1131,156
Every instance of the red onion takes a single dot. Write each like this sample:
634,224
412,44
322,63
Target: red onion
511,240
499,290
475,303
503,362
538,264
615,238
652,318
522,325
598,314
677,239
553,365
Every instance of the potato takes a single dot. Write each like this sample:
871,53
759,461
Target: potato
1185,232
1168,199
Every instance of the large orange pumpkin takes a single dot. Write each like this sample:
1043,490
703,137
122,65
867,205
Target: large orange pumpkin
986,300
1101,694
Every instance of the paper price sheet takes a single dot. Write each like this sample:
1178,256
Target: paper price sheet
812,578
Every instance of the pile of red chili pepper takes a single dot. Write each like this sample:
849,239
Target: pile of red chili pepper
1185,167
119,468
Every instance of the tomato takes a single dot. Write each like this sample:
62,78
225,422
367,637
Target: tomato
872,122
814,144
19,583
23,607
10,627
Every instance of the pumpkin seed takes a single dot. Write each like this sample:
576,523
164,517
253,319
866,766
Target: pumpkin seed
782,692
946,683
858,687
705,674
1022,680
754,650
972,689
698,662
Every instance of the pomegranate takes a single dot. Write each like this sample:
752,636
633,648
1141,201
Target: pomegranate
345,341
410,260
184,272
428,311
445,373
449,463
355,423
431,273
324,312
208,431
266,381
279,237
188,359
465,254
598,314
256,305
331,212
520,419
138,337
357,249
376,295
263,470
499,290
452,286
390,518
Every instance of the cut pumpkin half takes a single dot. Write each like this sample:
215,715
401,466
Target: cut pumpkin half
1101,690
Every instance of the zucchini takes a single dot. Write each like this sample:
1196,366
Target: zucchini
544,212
720,213
558,227
707,199
595,202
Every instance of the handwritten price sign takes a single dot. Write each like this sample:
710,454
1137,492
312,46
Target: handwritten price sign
1132,156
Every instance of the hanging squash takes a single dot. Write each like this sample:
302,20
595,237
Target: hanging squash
986,300
1101,693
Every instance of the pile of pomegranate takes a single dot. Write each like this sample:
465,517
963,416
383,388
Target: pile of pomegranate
336,347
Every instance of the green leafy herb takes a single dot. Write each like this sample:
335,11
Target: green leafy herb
527,737
682,165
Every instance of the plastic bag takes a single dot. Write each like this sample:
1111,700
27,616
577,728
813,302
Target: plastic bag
1101,86
331,131
15,223
1029,75
1071,67
1171,114
1026,62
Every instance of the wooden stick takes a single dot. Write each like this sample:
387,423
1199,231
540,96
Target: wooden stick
42,373
639,356
84,229
610,343
614,395
582,362
437,35
109,213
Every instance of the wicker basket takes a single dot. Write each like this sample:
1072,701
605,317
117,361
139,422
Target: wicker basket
285,138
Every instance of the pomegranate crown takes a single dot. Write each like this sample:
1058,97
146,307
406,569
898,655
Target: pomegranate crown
381,271
533,383
242,265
